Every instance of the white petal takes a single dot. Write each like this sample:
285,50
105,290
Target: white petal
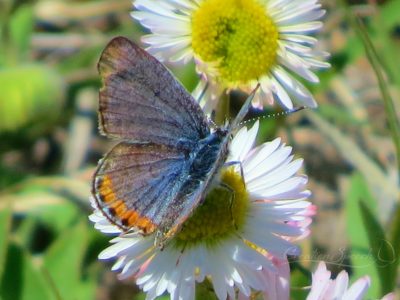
242,143
281,94
342,282
298,90
358,289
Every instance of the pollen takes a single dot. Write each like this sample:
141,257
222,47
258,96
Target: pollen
222,214
237,34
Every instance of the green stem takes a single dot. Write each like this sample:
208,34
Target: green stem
390,110
394,232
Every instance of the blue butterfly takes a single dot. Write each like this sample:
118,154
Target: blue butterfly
169,152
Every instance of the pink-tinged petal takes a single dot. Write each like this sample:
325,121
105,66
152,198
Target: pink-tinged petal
279,282
342,282
390,296
358,289
324,288
276,283
304,220
320,282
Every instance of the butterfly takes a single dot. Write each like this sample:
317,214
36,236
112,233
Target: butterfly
169,151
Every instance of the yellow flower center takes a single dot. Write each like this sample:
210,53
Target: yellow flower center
238,35
222,213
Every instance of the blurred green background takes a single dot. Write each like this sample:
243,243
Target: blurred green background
49,147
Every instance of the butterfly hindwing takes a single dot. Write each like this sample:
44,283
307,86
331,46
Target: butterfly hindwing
135,184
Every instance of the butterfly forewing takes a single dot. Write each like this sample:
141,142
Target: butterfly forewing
142,101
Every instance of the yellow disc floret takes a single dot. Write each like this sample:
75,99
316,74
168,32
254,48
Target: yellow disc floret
222,213
238,35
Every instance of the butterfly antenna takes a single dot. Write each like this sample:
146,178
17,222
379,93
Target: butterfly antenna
245,109
278,114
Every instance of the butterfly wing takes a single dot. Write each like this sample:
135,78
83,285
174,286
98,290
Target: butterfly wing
135,184
142,101
143,182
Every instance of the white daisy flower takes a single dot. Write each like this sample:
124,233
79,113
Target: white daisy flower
325,288
238,43
238,243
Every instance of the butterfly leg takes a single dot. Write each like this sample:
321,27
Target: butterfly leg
159,240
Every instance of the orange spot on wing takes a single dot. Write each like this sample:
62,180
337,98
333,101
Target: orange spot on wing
119,212
126,215
106,191
146,225
131,218
119,207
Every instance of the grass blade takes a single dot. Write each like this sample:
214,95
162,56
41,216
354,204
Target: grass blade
374,60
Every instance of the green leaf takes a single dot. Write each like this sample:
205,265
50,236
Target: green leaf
5,222
354,48
25,231
385,24
44,222
395,234
142,296
30,95
381,249
298,280
390,12
22,280
187,75
363,262
64,263
21,28
205,290
57,217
